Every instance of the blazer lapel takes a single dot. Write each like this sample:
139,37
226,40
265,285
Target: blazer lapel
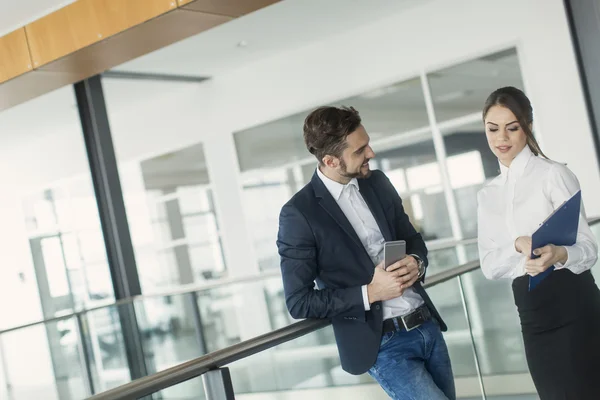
329,204
375,206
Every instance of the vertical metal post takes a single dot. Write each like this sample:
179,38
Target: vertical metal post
198,322
185,271
4,370
473,346
213,210
440,153
217,385
84,354
582,16
113,218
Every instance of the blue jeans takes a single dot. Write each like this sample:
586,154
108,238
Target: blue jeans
415,365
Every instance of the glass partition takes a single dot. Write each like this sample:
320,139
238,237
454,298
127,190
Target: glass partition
311,362
461,89
169,199
53,355
177,328
483,338
53,255
274,162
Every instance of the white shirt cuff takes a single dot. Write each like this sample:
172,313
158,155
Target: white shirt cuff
572,256
366,298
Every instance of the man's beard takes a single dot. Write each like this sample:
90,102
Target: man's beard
359,175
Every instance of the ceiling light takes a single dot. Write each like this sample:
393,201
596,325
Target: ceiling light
242,44
373,94
444,98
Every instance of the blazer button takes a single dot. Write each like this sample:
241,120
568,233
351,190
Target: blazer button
377,307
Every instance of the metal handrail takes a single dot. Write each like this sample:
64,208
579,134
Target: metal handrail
193,288
201,365
194,368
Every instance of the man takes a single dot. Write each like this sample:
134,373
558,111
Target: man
333,231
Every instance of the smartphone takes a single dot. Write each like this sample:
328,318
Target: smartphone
393,251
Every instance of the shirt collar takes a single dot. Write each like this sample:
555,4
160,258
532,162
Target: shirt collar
335,188
517,166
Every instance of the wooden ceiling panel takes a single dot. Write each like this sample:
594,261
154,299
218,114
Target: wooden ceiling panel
14,55
133,43
86,22
233,8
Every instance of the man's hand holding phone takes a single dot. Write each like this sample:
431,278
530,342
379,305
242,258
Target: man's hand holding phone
391,282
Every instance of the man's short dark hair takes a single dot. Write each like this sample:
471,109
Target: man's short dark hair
326,129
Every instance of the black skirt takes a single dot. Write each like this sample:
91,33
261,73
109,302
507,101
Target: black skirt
560,322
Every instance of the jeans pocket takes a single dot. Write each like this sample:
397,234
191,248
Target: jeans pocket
386,338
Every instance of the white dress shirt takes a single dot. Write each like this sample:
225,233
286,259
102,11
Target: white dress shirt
515,204
359,215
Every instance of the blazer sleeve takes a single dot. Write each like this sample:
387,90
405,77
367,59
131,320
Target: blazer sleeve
404,229
299,268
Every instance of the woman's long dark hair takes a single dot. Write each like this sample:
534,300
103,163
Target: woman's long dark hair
516,101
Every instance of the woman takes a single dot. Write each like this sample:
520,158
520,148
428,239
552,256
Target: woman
560,317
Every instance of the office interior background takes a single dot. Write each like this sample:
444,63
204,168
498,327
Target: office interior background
211,148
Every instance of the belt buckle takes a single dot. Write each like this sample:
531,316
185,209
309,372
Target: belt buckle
402,318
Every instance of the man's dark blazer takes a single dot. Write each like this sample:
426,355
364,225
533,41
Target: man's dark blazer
316,242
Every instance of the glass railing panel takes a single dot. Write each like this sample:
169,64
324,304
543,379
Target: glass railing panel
170,329
171,334
497,336
293,368
312,361
103,337
180,327
45,362
447,299
237,312
188,390
496,326
445,259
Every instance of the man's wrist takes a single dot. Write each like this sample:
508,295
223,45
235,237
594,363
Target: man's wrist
420,265
370,295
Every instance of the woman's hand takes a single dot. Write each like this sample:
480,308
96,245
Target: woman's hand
523,245
549,255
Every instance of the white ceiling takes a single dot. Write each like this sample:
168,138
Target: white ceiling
271,30
456,91
17,13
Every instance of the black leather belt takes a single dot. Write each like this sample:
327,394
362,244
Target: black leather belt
408,322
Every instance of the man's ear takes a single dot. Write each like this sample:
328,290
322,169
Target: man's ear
330,161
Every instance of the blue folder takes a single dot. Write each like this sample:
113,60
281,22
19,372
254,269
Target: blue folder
559,229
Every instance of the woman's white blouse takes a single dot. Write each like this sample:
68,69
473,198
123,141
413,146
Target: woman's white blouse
515,203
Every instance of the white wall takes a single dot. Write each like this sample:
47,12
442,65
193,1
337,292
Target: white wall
149,119
432,36
153,118
435,35
41,140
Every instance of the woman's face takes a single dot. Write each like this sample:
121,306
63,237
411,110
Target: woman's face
505,135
